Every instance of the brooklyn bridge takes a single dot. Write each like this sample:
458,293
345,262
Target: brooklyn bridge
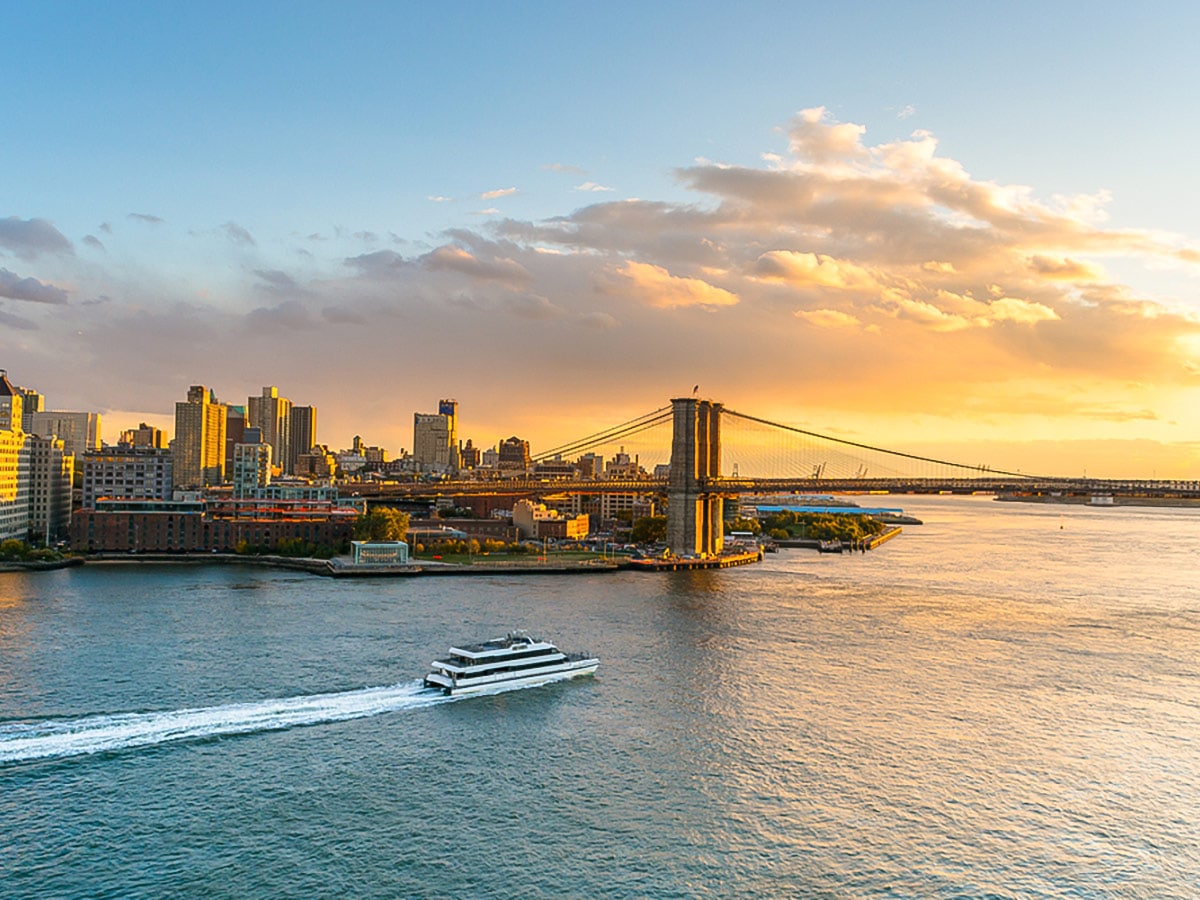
708,454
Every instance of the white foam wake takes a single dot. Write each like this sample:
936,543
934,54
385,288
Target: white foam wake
49,739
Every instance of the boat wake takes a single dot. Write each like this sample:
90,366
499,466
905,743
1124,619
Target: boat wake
56,738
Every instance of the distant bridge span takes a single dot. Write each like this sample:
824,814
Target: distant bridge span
696,489
732,487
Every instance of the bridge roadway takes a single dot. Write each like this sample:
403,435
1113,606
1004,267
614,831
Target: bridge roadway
736,486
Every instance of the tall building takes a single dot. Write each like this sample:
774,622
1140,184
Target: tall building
435,438
449,409
127,472
251,469
272,414
235,431
80,431
303,434
468,456
12,405
198,451
14,465
51,470
31,402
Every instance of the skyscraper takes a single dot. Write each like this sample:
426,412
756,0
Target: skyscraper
303,435
273,415
435,438
198,451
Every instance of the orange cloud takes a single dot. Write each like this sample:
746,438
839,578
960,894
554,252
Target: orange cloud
655,286
827,318
799,269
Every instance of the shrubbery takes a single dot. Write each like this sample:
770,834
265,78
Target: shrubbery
821,526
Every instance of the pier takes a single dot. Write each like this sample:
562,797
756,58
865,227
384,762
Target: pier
675,563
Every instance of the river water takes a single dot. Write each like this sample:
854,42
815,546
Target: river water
1003,702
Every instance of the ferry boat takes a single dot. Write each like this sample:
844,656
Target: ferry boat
515,660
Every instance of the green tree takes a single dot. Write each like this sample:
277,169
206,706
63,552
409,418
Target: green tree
381,524
743,524
13,549
649,529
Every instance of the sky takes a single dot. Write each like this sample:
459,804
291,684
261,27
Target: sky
968,233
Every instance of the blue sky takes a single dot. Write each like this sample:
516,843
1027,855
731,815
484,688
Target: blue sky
299,172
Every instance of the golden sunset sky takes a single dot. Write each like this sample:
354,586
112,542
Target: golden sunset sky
922,229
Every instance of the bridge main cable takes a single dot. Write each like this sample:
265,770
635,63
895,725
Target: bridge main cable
913,456
625,429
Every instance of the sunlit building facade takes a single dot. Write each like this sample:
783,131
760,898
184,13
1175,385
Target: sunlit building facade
198,450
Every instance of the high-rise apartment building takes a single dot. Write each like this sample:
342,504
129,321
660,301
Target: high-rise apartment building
51,470
251,469
272,414
198,451
235,431
303,435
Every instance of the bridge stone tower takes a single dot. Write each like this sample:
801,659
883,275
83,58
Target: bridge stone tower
695,518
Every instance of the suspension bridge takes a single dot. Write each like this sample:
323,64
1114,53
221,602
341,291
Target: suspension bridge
698,454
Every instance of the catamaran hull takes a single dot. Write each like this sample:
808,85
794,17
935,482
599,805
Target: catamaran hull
501,682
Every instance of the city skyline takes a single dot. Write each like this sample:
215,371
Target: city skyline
859,221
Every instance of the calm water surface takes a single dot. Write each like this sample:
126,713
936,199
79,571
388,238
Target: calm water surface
1004,702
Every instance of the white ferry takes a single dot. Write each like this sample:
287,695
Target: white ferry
516,660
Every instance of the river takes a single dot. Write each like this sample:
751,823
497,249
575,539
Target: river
1002,702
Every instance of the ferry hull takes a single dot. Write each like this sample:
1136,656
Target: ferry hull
497,683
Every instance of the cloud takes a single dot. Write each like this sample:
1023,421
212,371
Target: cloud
279,283
592,187
29,289
490,211
106,227
812,269
9,320
502,192
378,264
566,169
456,259
338,315
288,316
812,138
92,241
655,286
827,318
600,321
29,238
238,235
1065,269
146,218
440,199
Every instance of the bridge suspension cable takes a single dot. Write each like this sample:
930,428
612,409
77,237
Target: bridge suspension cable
618,432
892,453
